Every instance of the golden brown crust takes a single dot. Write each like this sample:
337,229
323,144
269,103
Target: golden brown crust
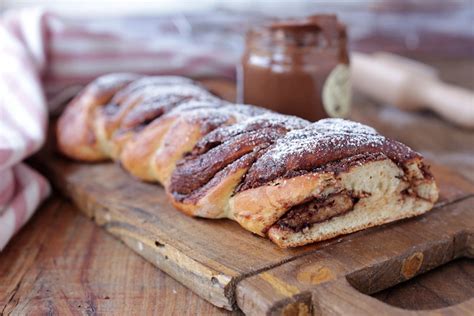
212,200
258,208
278,176
319,144
163,142
226,145
129,113
379,198
140,150
75,132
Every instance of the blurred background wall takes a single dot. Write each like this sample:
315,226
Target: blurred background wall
442,28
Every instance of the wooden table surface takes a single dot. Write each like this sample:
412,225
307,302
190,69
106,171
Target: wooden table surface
62,263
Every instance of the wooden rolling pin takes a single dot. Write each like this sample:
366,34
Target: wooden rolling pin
411,85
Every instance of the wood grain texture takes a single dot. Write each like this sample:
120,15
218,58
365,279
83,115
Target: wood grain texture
61,263
131,285
368,261
440,142
431,290
151,291
211,256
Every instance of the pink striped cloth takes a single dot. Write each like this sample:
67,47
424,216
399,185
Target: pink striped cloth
43,61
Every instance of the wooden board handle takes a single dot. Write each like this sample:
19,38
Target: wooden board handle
340,298
350,295
338,278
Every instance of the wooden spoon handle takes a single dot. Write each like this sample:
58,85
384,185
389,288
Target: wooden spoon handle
451,102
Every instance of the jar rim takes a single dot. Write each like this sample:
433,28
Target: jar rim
323,30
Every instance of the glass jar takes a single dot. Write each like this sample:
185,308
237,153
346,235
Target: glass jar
298,67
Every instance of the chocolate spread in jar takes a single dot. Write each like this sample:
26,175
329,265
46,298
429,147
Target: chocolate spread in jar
298,67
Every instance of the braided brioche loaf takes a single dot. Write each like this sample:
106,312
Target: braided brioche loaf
278,176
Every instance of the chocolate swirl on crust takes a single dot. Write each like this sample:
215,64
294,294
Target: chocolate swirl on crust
309,149
75,129
220,160
226,145
149,110
210,114
147,103
139,87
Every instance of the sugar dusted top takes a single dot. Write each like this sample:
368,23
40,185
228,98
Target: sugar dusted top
322,142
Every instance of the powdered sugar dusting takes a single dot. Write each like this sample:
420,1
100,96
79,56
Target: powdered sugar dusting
327,134
151,102
148,88
198,109
319,143
149,93
267,119
159,81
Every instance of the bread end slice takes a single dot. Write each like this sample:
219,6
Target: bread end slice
389,194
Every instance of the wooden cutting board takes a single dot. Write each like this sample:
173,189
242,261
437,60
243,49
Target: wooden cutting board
232,268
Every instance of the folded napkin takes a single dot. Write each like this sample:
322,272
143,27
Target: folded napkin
44,59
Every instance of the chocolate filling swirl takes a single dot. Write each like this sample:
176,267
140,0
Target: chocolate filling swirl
318,144
226,145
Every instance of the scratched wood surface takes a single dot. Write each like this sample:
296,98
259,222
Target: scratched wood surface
63,264
209,256
230,272
52,275
336,278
